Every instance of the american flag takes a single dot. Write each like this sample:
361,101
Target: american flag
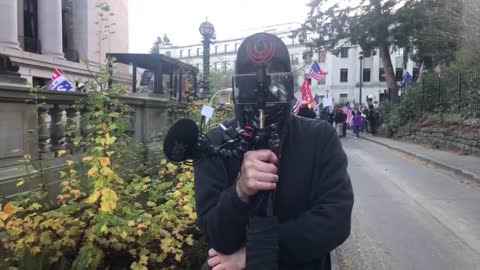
304,98
347,110
420,72
438,70
316,72
296,107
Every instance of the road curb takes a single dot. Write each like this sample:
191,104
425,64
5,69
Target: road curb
442,165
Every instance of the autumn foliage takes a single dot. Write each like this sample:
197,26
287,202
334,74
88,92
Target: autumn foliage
109,212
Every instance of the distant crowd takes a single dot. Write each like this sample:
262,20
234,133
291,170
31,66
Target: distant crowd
359,119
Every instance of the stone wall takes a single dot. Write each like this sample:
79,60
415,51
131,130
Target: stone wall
25,130
455,137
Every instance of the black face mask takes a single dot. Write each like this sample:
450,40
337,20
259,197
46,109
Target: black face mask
275,115
263,80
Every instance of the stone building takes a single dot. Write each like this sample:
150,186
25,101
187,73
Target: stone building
342,81
39,35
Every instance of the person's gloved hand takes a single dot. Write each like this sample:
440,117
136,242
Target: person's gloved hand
258,173
218,261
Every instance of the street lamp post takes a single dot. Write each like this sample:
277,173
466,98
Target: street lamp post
361,76
207,31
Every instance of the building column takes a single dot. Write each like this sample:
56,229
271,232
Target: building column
50,27
9,24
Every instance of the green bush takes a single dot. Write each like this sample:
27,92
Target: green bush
396,115
107,214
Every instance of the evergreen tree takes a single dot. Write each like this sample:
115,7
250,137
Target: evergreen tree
166,40
156,46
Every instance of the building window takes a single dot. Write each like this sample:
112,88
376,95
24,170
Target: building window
181,53
399,74
215,66
381,75
30,41
343,75
189,52
198,66
343,98
40,82
344,52
168,53
398,52
216,49
198,51
236,46
226,47
366,74
322,56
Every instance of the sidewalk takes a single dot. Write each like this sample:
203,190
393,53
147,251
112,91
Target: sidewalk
466,166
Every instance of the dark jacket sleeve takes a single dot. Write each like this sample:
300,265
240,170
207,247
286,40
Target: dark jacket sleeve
326,224
222,216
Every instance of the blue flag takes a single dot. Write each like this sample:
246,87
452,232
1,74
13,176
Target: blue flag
406,78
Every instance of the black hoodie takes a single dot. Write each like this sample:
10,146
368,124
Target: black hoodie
313,199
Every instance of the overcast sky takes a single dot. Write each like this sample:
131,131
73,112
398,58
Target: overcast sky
180,19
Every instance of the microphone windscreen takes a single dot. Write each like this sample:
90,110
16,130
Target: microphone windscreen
181,141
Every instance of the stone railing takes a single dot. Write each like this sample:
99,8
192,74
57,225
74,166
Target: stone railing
36,126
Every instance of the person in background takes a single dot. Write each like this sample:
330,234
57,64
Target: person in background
307,113
357,123
340,119
365,120
324,114
372,118
330,118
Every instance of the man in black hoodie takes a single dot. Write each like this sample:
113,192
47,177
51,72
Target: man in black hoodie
313,196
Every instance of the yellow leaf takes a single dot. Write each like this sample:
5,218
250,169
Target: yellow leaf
92,171
166,243
189,240
104,161
109,140
124,235
3,216
93,197
143,259
106,171
61,152
178,257
109,200
187,208
20,182
69,162
10,209
35,250
86,159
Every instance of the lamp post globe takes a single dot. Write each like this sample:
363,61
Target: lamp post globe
208,32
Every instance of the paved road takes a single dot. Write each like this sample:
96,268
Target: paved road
409,215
